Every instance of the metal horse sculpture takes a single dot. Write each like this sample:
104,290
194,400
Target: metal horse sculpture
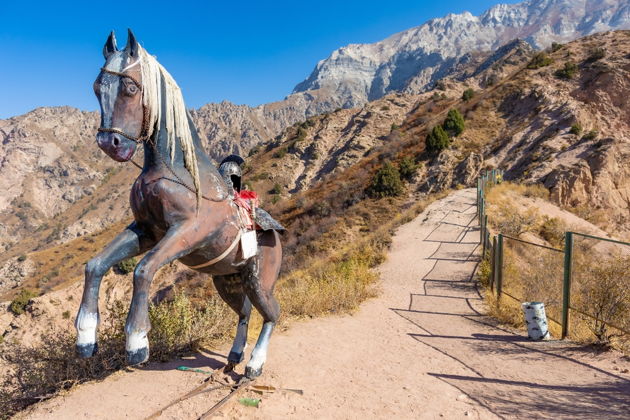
181,206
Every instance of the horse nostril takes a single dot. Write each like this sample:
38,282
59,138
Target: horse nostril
116,141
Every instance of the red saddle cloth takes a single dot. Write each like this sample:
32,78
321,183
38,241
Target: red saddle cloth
247,201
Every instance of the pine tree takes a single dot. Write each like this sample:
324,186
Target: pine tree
386,182
437,139
454,123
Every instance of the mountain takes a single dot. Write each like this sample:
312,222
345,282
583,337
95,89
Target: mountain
413,60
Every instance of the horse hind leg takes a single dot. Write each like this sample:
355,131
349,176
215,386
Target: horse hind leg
258,279
230,289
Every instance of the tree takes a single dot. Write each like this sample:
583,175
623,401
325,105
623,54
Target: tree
407,167
468,94
454,123
386,182
437,139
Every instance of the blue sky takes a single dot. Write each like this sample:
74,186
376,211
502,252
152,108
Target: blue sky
245,52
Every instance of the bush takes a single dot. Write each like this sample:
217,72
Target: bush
178,326
511,222
127,266
468,94
21,258
601,291
386,182
394,127
591,135
576,129
18,305
569,71
437,139
539,60
408,167
277,189
556,46
454,123
596,54
552,230
279,154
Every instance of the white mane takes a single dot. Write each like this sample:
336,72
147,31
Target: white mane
175,115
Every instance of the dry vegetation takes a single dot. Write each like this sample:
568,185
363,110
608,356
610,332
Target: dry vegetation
600,289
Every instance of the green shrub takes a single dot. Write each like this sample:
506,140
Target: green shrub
253,151
468,94
18,305
301,134
385,108
277,189
539,60
576,129
279,154
596,54
386,182
407,167
65,314
394,127
21,258
555,46
569,71
127,266
437,139
454,123
591,135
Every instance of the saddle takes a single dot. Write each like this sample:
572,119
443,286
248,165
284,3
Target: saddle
252,216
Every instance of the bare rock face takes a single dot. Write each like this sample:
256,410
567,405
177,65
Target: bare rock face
227,128
413,60
13,273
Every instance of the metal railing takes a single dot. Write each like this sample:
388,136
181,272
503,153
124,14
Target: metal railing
524,270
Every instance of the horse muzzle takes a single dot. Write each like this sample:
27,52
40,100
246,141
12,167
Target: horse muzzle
116,146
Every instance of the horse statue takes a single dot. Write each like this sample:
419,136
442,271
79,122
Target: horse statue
183,210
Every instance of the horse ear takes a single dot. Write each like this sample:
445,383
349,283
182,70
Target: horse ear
110,46
132,45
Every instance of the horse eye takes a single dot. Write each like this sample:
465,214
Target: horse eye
132,89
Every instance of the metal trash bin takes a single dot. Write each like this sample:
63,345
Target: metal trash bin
536,320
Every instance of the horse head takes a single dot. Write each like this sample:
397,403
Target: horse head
118,87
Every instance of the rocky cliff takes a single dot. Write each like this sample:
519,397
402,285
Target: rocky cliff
413,60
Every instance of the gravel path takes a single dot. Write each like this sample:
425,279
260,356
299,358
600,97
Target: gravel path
422,350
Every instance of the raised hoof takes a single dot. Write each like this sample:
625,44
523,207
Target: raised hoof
87,350
252,373
235,358
137,356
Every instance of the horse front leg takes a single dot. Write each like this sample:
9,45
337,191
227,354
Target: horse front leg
172,246
129,243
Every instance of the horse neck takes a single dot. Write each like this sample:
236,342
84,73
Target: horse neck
157,155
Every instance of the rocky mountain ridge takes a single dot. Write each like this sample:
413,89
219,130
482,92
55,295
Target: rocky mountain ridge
413,60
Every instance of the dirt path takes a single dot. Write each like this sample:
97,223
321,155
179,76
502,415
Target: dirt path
422,349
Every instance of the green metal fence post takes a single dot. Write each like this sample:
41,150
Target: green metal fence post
494,262
566,286
499,266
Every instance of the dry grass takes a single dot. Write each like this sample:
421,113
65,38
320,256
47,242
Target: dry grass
600,282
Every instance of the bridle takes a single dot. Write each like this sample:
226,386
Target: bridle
144,130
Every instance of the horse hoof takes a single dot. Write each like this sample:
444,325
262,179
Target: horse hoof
85,351
137,356
235,357
252,373
229,367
